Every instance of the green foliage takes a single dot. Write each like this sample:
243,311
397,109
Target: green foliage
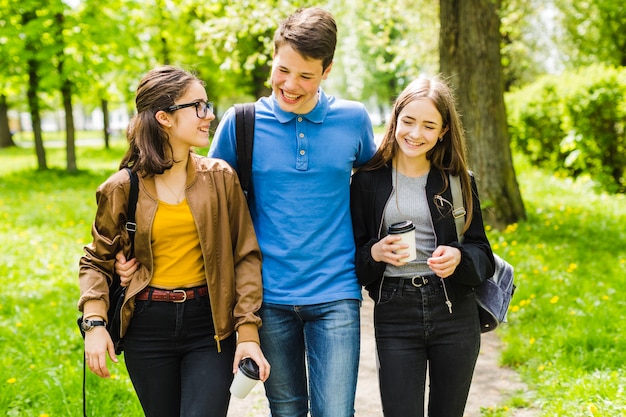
575,124
594,31
567,316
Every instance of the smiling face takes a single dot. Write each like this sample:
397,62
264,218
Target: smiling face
418,129
295,80
184,127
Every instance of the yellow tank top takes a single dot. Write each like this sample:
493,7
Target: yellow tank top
178,261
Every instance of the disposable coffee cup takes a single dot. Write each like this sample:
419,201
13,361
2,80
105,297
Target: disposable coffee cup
245,378
406,230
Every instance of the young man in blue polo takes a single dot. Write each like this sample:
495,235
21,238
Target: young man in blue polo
306,144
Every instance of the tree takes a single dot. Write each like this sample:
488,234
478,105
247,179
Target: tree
33,63
7,75
6,139
469,52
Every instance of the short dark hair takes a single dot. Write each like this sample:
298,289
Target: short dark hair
312,32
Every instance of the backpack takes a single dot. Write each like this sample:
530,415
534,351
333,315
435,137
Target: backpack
494,295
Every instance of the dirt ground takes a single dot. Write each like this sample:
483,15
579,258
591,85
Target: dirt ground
492,384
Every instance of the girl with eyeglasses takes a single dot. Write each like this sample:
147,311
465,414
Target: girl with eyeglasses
425,316
190,310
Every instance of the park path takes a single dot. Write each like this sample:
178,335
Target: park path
492,384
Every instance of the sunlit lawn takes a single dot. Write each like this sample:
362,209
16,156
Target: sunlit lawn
566,320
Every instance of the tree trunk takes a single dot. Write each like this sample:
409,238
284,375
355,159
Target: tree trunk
6,138
469,52
66,92
35,114
105,122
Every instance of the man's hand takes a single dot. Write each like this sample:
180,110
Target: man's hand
125,269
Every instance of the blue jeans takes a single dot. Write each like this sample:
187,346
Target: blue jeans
416,333
173,362
323,337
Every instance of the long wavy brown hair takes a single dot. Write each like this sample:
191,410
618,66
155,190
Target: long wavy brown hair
450,154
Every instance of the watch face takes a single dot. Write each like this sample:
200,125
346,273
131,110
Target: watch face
86,325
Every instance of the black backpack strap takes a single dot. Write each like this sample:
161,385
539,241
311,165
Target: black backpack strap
131,225
244,126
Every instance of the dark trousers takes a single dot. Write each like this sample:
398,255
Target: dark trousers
416,334
173,362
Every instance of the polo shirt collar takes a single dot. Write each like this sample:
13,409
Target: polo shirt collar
317,115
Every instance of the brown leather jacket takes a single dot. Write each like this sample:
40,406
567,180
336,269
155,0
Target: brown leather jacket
232,258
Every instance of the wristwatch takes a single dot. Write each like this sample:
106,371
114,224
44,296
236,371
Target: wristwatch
88,325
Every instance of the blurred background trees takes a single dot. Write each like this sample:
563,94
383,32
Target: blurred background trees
64,57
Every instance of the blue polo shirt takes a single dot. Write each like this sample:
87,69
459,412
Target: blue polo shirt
301,168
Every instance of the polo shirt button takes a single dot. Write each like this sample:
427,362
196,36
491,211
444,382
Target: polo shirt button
299,119
302,152
301,135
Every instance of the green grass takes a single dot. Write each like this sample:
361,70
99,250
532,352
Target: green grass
567,316
45,220
563,336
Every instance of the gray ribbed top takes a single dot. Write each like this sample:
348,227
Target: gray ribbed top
408,202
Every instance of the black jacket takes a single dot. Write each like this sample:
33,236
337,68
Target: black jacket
369,194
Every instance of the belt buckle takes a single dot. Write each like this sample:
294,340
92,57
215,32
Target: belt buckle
184,296
419,284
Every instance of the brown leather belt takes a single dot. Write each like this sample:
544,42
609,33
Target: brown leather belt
172,296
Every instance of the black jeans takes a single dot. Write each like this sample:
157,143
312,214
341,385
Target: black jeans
416,332
173,362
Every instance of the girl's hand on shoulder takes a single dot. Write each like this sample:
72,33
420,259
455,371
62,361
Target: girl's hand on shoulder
444,261
253,351
384,250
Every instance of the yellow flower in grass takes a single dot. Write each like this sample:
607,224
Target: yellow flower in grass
605,297
532,341
514,309
554,299
44,415
11,381
572,267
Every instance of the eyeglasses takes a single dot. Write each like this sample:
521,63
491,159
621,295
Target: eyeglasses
202,108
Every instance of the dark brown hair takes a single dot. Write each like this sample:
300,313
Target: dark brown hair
449,155
149,150
312,32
